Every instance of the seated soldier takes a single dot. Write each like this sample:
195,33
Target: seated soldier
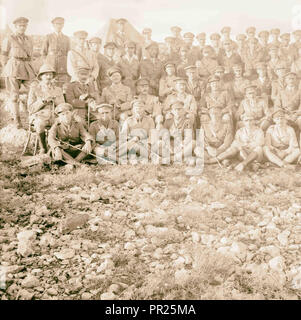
263,83
68,139
279,83
236,86
207,65
190,105
118,95
248,144
195,85
42,99
218,135
135,132
289,99
167,83
180,144
82,94
281,145
105,132
216,97
255,106
152,105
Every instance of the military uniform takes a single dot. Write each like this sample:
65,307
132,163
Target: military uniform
81,58
130,68
153,70
54,52
277,86
17,54
166,86
98,130
257,109
41,114
152,105
117,95
188,100
74,90
295,46
228,59
236,90
252,58
75,134
218,137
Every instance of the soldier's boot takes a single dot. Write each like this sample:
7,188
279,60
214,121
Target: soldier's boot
42,142
16,114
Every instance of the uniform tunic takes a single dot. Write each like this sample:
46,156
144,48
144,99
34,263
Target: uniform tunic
153,70
130,71
74,135
82,58
152,105
54,52
38,111
282,140
117,95
166,86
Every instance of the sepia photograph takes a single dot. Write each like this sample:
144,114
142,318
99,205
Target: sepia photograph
150,150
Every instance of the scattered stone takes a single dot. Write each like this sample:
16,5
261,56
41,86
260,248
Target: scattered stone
108,264
30,282
74,223
86,296
108,296
52,292
195,237
277,264
283,237
182,276
25,295
65,254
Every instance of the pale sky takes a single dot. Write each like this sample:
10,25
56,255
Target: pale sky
192,15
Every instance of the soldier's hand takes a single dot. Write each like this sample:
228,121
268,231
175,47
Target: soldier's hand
83,97
87,148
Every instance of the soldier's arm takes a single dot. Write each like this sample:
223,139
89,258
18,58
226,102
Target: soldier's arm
127,104
72,99
52,137
34,103
59,98
5,49
84,134
293,142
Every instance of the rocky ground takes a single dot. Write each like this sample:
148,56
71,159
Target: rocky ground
146,232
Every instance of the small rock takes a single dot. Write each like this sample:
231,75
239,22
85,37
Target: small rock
25,295
65,254
52,292
107,215
129,246
277,264
47,240
207,239
74,223
182,276
114,288
195,237
86,296
108,264
108,296
283,237
30,282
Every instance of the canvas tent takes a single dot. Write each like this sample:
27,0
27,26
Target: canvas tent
106,33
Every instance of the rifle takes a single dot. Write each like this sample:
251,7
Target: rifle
90,154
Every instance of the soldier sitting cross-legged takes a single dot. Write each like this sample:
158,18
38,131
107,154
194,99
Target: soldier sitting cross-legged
68,139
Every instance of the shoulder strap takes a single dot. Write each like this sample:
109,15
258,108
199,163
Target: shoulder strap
12,37
84,58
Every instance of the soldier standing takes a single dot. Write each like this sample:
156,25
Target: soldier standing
55,50
129,66
207,65
17,52
147,35
176,33
82,57
295,46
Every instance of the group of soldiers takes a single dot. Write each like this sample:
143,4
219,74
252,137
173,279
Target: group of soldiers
244,94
